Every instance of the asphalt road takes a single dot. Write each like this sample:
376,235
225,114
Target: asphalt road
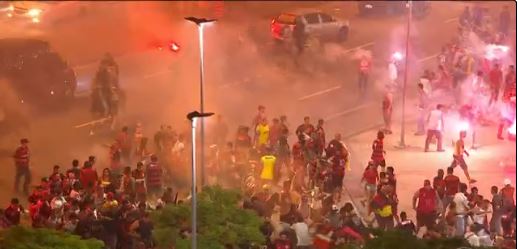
243,68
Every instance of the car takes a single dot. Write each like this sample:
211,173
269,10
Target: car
317,24
28,10
40,77
368,8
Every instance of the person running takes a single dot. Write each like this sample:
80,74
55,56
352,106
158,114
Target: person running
459,150
435,126
378,151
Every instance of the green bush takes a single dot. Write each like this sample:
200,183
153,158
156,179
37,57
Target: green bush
20,237
400,240
220,222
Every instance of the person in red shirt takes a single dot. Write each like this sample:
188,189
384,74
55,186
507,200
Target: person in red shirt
370,178
283,242
275,131
88,177
378,151
320,138
21,161
452,186
496,78
13,212
124,141
427,206
139,176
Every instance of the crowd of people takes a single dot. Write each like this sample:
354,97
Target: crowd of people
296,189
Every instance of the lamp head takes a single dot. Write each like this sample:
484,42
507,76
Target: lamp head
196,114
199,21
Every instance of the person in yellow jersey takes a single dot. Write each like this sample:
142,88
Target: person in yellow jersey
262,132
459,150
268,161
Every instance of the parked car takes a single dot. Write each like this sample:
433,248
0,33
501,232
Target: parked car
317,25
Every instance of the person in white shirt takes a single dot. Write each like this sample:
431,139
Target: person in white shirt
302,234
435,126
462,207
423,102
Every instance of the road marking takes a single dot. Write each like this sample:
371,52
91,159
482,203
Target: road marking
358,47
348,111
451,20
319,93
147,76
93,122
428,58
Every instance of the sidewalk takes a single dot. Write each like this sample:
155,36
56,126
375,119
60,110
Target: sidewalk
490,164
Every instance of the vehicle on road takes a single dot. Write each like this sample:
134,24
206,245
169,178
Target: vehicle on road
28,10
318,25
370,8
39,76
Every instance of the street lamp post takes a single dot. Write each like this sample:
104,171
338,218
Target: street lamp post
406,71
200,22
193,116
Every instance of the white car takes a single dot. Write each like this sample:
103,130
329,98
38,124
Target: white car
317,24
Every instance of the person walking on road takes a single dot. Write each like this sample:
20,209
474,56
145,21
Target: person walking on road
21,161
435,126
378,151
423,100
387,110
497,211
459,150
364,72
427,207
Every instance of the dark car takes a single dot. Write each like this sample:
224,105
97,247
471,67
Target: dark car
40,77
366,8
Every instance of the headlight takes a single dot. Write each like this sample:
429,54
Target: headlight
35,20
10,8
368,6
34,12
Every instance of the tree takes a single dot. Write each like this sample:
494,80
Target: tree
221,222
19,237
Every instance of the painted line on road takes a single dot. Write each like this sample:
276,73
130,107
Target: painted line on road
93,122
451,20
319,93
348,111
428,58
358,47
147,76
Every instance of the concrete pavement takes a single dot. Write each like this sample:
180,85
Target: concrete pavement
490,164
